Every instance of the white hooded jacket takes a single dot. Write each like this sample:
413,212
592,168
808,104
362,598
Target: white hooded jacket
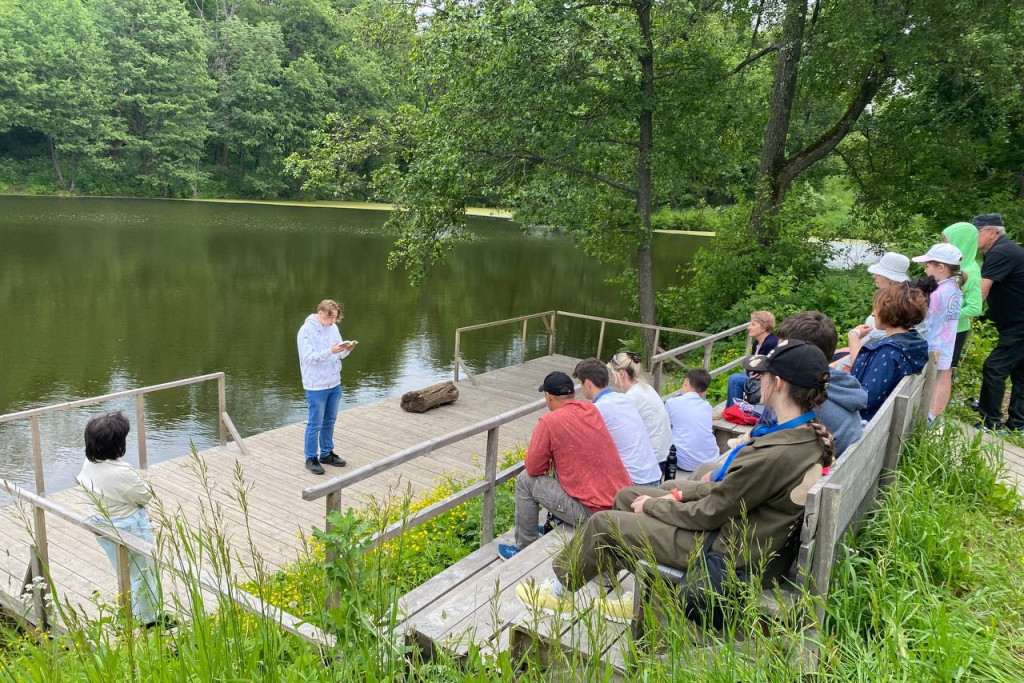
320,368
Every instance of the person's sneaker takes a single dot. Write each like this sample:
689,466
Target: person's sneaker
507,551
541,598
332,458
313,466
617,609
974,405
998,428
163,620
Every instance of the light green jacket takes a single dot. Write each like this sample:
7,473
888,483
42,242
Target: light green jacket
964,237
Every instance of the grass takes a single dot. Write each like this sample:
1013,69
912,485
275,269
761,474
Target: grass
929,590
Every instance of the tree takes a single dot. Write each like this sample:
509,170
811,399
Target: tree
553,111
163,90
61,82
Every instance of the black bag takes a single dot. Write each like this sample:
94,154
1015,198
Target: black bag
705,585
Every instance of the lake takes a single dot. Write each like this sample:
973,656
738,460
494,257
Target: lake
101,295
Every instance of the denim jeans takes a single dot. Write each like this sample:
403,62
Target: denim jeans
323,413
734,388
143,572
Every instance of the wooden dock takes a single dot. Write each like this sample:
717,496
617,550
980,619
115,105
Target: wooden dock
274,477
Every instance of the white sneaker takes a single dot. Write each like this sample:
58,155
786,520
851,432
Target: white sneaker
619,610
542,598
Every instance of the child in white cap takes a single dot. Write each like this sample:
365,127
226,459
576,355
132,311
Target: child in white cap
942,262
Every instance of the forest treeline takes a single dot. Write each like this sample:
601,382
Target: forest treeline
590,116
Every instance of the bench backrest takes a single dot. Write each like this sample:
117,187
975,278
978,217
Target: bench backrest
836,503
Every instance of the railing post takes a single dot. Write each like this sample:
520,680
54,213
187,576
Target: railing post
222,407
707,355
657,338
37,584
749,346
457,341
333,504
522,345
140,428
38,515
124,579
656,371
600,340
490,472
551,334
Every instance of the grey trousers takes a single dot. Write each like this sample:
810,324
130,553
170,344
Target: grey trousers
534,492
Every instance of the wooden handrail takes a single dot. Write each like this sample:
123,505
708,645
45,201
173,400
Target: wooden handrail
627,323
421,449
495,323
130,542
700,343
108,397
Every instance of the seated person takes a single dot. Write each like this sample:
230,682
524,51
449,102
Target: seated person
762,324
571,441
690,416
623,421
627,373
881,365
840,413
752,511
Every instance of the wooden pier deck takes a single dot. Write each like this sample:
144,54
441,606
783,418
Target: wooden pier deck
274,477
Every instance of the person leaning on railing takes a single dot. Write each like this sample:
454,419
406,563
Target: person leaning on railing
747,512
119,496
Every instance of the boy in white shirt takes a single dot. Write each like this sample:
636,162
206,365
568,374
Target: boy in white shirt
690,416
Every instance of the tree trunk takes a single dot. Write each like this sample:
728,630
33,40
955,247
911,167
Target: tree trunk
55,155
422,400
225,155
771,188
644,260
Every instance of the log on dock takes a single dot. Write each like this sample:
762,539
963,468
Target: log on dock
422,400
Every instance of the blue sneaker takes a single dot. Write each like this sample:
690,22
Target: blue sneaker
507,551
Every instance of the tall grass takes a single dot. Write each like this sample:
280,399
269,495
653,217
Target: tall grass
929,590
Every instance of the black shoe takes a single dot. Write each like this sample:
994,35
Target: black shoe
974,405
313,466
164,621
332,458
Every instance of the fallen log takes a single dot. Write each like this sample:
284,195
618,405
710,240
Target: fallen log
422,400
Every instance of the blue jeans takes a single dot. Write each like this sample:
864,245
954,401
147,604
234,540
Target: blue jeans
143,571
734,389
323,413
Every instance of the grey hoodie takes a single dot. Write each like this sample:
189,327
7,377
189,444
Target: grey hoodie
841,410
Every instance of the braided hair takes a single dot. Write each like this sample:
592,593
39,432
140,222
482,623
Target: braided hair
809,398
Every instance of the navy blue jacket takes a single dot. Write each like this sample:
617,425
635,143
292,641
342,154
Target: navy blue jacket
880,366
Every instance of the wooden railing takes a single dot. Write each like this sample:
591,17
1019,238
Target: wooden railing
550,319
707,343
33,415
125,544
332,490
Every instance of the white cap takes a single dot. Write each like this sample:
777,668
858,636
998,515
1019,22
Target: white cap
942,253
892,266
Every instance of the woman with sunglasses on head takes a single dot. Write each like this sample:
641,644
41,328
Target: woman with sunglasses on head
627,373
746,513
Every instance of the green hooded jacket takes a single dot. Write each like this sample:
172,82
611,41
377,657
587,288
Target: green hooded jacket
964,237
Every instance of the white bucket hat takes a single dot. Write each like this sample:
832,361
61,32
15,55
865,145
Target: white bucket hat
892,266
942,253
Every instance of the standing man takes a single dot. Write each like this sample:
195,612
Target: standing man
623,421
320,352
1002,285
572,443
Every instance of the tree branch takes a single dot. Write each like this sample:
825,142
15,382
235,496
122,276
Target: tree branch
610,182
820,148
774,47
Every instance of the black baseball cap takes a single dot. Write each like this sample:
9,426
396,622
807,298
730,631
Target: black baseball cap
795,361
558,384
986,220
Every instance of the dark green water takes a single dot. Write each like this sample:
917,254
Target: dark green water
104,295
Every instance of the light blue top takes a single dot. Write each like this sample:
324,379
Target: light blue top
690,416
630,436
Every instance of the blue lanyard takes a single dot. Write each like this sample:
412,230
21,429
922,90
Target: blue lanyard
761,431
603,392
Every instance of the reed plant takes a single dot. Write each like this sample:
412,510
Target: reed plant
928,589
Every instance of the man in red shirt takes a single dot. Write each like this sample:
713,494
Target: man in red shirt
572,442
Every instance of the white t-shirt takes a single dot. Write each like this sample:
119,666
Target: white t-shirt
118,489
630,436
690,416
655,417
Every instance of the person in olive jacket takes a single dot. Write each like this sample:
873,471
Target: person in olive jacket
754,500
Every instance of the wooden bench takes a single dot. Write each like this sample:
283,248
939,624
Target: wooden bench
835,506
